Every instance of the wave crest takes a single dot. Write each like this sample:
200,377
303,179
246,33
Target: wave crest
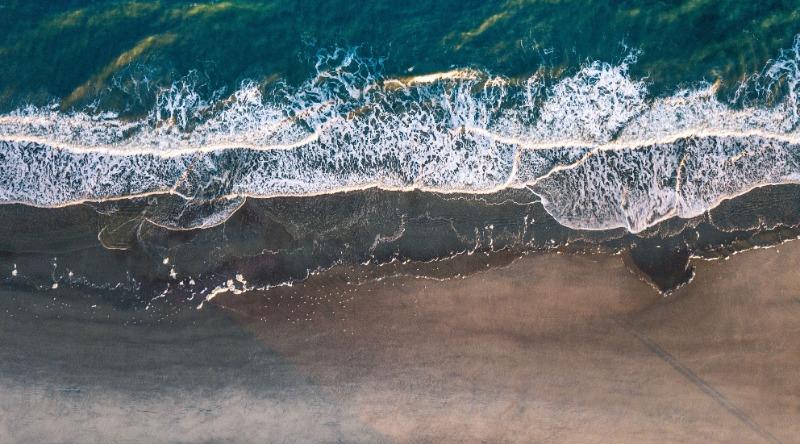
600,151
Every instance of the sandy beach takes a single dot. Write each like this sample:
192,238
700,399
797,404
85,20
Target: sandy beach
550,348
558,348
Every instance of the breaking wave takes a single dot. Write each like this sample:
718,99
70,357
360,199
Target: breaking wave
595,146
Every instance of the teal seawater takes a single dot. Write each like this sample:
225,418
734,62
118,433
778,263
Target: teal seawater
70,49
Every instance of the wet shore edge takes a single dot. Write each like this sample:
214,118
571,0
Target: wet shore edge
127,246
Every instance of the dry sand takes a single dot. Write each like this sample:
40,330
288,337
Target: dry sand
554,349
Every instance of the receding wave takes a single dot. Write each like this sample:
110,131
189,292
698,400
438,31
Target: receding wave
599,150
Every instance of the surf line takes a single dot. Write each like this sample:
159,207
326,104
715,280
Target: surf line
184,149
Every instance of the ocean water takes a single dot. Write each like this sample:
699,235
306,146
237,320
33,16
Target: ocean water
155,155
201,108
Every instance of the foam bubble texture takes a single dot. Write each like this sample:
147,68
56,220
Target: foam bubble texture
594,145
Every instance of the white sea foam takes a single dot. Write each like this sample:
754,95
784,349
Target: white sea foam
595,146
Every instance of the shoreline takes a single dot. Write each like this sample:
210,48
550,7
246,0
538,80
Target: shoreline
280,241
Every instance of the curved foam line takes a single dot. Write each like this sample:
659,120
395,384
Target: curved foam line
341,190
672,213
522,143
509,183
379,186
200,226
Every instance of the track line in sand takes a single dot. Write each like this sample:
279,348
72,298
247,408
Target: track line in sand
700,383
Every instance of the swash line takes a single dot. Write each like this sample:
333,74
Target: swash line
524,144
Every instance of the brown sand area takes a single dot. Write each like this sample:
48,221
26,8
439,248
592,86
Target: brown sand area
552,348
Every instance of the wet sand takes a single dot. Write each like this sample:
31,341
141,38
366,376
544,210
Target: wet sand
552,348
